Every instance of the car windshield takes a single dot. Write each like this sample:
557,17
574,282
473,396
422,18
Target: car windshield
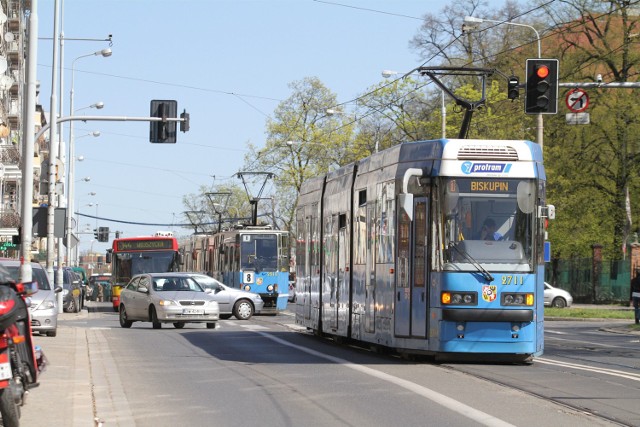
38,275
207,282
164,284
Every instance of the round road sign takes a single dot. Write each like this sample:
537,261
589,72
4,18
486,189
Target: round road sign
577,100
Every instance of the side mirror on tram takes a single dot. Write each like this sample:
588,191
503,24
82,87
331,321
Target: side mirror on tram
405,202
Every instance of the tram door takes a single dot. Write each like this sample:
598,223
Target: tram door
333,272
419,288
411,293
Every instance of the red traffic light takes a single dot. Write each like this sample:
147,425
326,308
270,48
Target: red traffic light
542,71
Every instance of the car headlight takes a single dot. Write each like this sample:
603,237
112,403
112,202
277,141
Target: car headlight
46,305
167,302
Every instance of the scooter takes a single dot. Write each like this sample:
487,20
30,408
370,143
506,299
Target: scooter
20,361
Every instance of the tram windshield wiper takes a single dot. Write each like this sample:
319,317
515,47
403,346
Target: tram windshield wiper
473,262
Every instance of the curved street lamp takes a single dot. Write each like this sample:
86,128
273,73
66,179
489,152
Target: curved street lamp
105,53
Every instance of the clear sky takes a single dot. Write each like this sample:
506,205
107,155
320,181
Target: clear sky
227,62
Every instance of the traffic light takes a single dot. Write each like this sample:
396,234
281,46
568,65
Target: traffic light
163,131
513,92
96,234
103,234
542,86
184,124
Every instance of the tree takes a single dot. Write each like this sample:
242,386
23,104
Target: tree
303,141
597,38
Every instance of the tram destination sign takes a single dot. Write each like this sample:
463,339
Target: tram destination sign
144,245
508,186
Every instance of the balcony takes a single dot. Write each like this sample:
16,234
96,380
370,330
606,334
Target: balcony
9,155
9,219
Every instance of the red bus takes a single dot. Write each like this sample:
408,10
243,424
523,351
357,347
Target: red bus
135,255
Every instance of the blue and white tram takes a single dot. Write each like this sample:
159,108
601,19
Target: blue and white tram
253,258
391,249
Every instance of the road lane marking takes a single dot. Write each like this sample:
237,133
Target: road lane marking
607,371
449,403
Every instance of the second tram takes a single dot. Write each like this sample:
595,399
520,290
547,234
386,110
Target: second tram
252,258
396,250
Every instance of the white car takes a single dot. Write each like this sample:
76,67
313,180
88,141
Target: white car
556,297
231,301
166,298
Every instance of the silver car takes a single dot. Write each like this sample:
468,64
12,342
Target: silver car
166,298
556,297
44,306
236,302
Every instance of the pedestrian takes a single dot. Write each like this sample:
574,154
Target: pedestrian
635,294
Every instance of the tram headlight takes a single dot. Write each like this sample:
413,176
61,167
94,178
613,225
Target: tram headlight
270,288
247,288
459,298
518,299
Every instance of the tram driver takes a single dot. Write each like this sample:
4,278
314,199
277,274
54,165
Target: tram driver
489,231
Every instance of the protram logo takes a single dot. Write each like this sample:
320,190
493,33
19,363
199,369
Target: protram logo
485,167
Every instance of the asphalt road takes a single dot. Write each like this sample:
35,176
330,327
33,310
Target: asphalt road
266,372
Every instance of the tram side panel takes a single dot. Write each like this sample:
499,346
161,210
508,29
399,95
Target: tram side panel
308,253
373,236
335,280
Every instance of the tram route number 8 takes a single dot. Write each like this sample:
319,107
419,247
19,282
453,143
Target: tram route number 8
248,277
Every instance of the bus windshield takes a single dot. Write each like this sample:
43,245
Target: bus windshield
259,252
128,264
487,221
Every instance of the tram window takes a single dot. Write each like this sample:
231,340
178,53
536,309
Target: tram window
362,197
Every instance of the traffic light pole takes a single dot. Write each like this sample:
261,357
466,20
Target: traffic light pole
51,201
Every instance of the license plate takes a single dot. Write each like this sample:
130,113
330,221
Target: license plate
192,311
5,371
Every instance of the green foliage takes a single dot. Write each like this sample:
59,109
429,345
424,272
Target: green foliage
589,168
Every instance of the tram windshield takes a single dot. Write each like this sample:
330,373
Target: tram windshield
488,223
259,252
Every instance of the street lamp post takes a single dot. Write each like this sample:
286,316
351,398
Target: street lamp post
471,22
70,195
104,53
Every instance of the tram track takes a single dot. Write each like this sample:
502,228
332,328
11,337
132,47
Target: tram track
564,404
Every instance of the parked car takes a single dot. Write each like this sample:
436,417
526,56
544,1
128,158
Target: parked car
72,295
44,306
166,298
82,274
236,302
556,297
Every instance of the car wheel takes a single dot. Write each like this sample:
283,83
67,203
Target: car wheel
178,325
559,302
243,310
211,325
154,318
71,307
124,321
52,333
225,316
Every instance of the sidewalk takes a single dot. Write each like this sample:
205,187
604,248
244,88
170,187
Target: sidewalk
64,397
